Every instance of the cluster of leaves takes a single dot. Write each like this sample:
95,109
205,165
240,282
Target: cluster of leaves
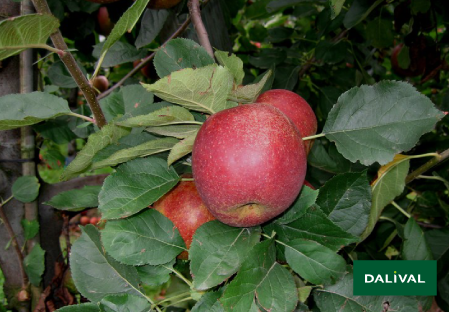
300,259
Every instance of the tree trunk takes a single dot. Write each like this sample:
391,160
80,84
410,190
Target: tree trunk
9,172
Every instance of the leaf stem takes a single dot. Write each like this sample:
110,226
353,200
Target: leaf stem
82,117
189,283
36,46
427,166
187,293
179,301
73,68
405,213
313,136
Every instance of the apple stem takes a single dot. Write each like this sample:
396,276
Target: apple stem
405,213
83,117
313,136
189,283
187,180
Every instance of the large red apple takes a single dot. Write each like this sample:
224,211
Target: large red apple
296,108
248,163
184,207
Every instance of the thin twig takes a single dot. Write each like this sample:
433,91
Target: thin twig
73,68
203,37
16,246
427,166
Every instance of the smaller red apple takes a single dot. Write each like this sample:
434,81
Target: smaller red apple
105,24
100,83
94,220
295,108
184,207
84,220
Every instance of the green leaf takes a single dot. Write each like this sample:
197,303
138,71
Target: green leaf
179,54
177,131
145,238
132,100
124,303
368,122
204,89
95,273
380,32
313,225
30,228
438,241
389,184
420,6
250,93
142,150
26,189
233,63
415,246
358,11
217,251
155,275
76,200
209,302
20,33
306,199
339,297
118,53
404,57
125,24
150,26
57,129
262,277
331,52
20,110
346,200
314,262
84,307
134,186
336,6
34,264
182,148
61,77
109,134
164,116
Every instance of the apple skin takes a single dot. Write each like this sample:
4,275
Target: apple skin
101,83
295,108
184,207
105,24
84,220
162,4
248,163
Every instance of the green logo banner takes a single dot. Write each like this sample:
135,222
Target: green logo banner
395,278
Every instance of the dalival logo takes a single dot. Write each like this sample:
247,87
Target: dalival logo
396,278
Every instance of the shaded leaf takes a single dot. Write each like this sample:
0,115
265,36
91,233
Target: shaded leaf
84,307
178,54
415,246
20,33
358,11
336,6
109,134
261,277
233,63
389,184
204,89
373,123
380,32
134,186
142,150
20,110
155,275
34,264
182,148
346,199
26,189
118,53
124,303
150,26
217,251
249,93
145,238
95,273
60,76
30,228
209,302
306,199
76,200
314,262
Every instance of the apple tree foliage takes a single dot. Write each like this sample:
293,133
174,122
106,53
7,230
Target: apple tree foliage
378,123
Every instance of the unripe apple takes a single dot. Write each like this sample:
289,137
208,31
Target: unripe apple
100,83
184,207
248,163
295,108
162,4
105,24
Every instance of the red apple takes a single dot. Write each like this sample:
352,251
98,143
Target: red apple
105,24
248,163
84,220
94,220
295,108
100,83
148,70
162,4
184,207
